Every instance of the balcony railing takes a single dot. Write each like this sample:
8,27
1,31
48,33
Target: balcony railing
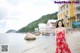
77,5
77,12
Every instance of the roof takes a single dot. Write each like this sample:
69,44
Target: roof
49,21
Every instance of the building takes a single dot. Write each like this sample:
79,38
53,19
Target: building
42,27
36,30
69,12
51,23
45,28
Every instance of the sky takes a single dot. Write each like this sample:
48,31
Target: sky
15,14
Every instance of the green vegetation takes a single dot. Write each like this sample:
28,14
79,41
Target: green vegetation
31,26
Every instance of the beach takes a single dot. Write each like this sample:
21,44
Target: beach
43,44
72,39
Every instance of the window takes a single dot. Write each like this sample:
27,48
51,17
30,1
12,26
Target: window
77,0
78,8
66,5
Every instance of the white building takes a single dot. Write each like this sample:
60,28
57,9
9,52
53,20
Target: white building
50,25
36,29
42,27
46,27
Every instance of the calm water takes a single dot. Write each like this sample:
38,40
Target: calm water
17,44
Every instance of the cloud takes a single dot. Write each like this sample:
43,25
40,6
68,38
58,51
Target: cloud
14,2
3,13
2,24
18,13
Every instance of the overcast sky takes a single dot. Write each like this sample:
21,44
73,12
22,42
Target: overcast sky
15,14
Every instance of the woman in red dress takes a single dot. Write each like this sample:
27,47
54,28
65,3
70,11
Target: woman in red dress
60,33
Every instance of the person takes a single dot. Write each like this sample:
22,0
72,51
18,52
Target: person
60,36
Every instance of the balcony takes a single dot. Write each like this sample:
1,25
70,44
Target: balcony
77,5
78,17
77,10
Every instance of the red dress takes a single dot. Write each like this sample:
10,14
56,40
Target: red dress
61,45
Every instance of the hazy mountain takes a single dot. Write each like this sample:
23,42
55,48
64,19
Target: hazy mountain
11,31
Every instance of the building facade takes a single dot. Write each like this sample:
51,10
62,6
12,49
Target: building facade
69,12
42,27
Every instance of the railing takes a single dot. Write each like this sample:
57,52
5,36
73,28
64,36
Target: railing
77,5
78,11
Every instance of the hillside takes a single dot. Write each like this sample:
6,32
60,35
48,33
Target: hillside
31,26
11,31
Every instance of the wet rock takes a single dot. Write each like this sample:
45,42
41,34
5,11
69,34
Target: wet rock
37,34
46,34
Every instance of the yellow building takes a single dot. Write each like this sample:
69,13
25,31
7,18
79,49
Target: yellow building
69,12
